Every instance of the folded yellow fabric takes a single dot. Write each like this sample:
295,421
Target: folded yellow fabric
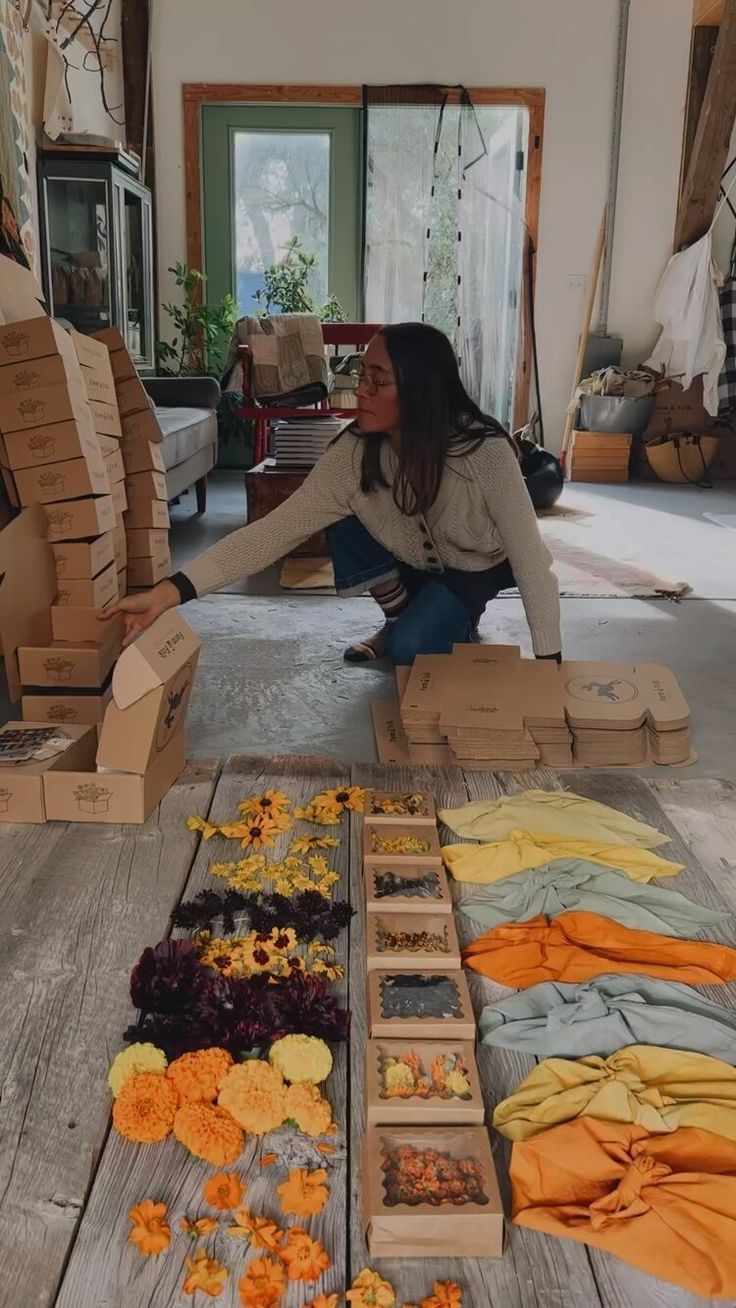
552,813
522,850
656,1088
664,1203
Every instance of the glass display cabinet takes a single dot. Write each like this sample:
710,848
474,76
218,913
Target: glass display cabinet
97,248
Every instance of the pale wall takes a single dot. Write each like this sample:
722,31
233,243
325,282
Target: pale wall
565,46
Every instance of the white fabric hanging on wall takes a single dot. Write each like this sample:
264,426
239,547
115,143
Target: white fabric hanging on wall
687,306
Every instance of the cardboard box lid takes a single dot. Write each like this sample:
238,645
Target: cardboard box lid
153,659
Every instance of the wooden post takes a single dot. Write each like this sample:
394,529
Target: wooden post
701,58
595,273
712,137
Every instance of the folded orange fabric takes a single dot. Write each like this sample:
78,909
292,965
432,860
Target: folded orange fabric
576,946
664,1203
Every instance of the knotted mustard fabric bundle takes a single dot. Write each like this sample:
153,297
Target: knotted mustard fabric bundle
551,813
523,850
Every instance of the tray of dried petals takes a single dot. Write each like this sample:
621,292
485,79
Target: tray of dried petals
424,1005
411,842
398,806
404,940
411,1083
431,1192
401,887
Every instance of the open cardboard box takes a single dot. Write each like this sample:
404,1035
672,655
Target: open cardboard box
405,941
21,784
432,1105
81,560
447,1228
79,707
91,592
421,841
425,1004
141,749
399,806
394,888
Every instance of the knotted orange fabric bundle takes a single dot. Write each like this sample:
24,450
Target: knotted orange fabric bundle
664,1203
576,946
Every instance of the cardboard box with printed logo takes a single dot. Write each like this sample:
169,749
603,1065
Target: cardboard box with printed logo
78,519
147,514
97,375
149,571
56,443
42,407
33,374
108,445
70,480
143,544
81,560
119,498
92,592
141,749
68,663
105,418
146,486
143,456
142,426
21,782
80,707
115,466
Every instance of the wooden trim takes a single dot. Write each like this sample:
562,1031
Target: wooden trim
712,138
702,46
707,13
197,94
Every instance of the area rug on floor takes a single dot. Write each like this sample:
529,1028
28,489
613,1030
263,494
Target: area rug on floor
582,574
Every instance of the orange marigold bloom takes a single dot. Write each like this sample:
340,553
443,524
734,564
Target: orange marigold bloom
369,1290
261,1232
323,1301
208,1133
198,1075
263,1283
149,1232
223,1191
255,1095
145,1108
306,1106
305,1192
446,1295
202,1227
305,1259
205,1274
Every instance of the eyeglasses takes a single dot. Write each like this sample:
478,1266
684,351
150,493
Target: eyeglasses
372,383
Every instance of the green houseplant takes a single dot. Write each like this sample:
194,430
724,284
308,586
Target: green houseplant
200,332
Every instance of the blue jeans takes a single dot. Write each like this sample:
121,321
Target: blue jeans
434,620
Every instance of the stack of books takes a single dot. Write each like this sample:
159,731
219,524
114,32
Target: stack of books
600,456
301,442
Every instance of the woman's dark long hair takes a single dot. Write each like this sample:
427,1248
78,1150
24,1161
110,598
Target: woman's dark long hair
437,416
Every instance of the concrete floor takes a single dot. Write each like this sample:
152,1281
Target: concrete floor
271,673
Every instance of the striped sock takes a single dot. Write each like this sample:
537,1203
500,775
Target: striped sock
392,600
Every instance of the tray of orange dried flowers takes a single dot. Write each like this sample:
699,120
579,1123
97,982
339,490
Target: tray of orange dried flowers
411,842
403,940
429,1192
398,806
400,887
422,1082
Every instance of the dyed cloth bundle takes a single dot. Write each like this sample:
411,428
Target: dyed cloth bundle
572,884
664,1203
521,851
607,1013
659,1089
553,813
577,946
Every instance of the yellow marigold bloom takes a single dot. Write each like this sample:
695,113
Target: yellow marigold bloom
143,1057
301,1058
145,1108
306,1106
254,1094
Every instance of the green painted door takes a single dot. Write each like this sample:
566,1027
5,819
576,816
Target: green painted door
271,173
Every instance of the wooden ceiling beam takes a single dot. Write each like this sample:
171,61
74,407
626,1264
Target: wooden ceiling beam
707,13
709,153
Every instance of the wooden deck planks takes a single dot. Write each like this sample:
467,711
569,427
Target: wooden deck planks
103,1269
77,903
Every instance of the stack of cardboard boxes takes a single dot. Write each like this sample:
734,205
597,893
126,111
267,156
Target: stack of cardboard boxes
146,521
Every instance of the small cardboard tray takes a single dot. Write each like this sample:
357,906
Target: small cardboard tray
429,940
430,1104
388,888
399,806
446,1228
413,833
400,1004
22,783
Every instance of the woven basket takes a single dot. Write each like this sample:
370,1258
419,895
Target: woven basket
682,459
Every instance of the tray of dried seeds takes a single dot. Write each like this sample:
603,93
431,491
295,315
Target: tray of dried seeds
424,1005
413,1082
411,842
399,806
409,941
406,887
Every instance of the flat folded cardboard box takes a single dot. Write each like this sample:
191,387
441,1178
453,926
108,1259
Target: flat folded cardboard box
422,843
132,397
148,572
432,938
81,560
114,796
71,479
42,407
398,806
146,486
21,784
105,418
432,1107
81,707
119,496
78,519
53,444
35,338
33,375
92,592
143,456
147,514
428,1004
392,888
115,466
422,1230
147,544
143,426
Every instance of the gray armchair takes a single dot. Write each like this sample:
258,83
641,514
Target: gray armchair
186,408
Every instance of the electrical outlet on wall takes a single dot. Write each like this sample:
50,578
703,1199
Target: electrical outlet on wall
575,282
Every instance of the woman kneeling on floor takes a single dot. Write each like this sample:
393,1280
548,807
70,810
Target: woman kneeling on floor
424,505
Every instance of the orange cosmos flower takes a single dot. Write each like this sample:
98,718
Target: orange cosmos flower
202,1227
304,1258
149,1232
145,1108
261,1232
223,1191
323,1301
304,1193
209,1133
262,1285
446,1295
205,1274
198,1075
369,1290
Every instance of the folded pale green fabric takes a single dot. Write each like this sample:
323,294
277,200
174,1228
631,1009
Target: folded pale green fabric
607,1013
574,883
549,813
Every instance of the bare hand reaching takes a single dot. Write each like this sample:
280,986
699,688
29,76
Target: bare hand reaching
140,611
